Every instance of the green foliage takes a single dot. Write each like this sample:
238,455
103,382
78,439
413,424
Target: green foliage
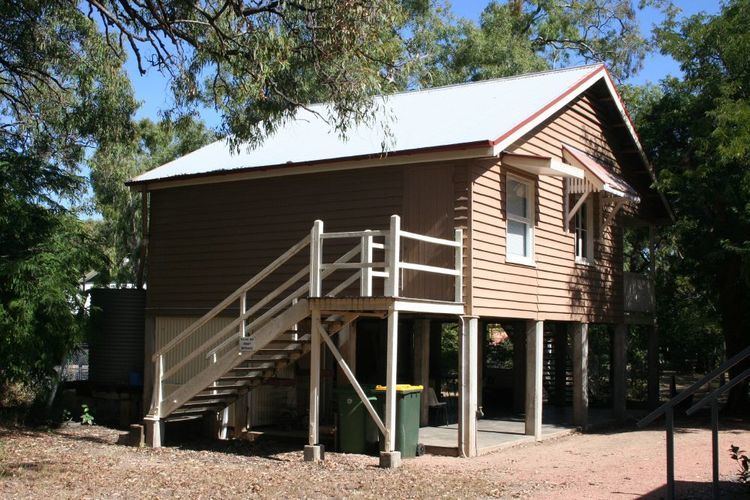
743,463
46,250
258,62
62,89
697,135
600,365
86,417
519,36
449,348
152,145
498,351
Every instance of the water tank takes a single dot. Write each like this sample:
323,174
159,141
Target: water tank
117,337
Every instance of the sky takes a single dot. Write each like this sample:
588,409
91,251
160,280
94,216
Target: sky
153,89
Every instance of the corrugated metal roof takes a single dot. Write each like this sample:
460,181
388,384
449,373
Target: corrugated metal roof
472,113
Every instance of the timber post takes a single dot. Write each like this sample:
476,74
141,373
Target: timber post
534,373
314,450
580,332
467,434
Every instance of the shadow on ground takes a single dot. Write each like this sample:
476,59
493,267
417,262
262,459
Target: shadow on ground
698,490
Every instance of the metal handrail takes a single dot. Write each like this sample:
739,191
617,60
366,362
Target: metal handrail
716,393
667,409
721,369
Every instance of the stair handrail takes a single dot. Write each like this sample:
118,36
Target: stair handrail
716,393
268,315
390,268
684,394
231,298
668,410
364,270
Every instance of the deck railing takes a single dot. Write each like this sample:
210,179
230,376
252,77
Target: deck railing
667,409
305,282
390,269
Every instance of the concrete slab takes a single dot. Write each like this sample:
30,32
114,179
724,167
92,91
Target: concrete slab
498,433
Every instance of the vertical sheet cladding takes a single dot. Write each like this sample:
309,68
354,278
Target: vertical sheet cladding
168,327
556,288
428,209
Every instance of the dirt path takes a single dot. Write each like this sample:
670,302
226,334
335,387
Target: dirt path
87,463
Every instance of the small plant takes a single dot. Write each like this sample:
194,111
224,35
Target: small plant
66,417
743,463
86,417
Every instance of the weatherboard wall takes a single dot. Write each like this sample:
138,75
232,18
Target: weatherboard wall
556,287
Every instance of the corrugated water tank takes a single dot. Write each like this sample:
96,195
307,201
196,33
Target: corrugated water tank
117,337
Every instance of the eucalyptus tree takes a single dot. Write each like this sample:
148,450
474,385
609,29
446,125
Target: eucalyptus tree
518,36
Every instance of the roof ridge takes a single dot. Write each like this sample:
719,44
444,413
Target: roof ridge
495,80
488,81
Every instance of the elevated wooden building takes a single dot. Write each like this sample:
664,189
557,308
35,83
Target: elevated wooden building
497,202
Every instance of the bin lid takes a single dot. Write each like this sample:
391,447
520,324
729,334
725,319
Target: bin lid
401,388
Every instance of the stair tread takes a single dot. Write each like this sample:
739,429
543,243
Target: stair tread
237,386
182,418
235,377
219,393
259,366
238,377
267,357
184,410
206,402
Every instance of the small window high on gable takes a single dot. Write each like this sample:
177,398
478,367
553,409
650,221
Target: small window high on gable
584,233
519,241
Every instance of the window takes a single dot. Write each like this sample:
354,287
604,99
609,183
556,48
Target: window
519,241
584,233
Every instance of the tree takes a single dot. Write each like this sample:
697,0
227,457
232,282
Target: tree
61,91
153,144
258,62
698,137
46,250
520,36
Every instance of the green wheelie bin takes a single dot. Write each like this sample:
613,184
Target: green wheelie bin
356,432
407,417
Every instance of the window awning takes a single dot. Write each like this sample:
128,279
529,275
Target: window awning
597,177
542,165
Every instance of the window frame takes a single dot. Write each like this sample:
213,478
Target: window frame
529,221
587,256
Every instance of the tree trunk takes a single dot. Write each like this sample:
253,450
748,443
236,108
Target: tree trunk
734,306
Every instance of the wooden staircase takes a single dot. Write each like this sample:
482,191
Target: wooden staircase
247,375
197,376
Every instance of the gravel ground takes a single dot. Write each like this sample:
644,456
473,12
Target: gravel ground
87,462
